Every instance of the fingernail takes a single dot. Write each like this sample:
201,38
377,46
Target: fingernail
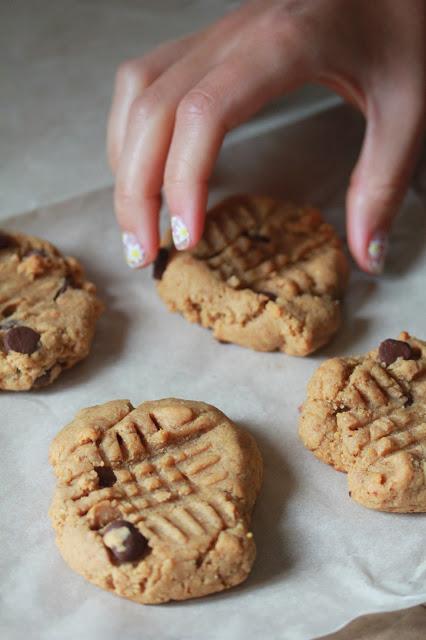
377,251
133,250
180,233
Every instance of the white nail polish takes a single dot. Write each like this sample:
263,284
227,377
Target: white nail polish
133,251
377,251
180,233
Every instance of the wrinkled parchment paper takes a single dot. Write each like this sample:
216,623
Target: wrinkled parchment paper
322,559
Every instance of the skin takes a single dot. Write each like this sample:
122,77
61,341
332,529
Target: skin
172,108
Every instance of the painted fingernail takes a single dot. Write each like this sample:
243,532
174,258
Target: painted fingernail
377,252
180,233
133,250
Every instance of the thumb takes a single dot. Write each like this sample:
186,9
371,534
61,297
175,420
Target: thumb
393,137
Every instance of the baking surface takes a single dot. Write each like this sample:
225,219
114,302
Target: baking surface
322,559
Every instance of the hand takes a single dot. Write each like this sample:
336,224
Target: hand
172,109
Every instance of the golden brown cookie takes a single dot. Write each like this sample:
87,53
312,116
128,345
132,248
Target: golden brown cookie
367,416
48,312
154,503
266,275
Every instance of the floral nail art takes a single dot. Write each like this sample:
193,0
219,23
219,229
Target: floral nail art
377,252
180,233
133,251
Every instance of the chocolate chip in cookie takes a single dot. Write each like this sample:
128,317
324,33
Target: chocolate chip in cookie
390,350
259,238
21,339
43,379
9,310
409,399
124,541
160,263
106,476
5,241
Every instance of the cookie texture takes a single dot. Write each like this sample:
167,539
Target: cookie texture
154,503
48,312
367,416
266,275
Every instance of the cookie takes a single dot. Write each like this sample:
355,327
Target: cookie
266,275
48,312
154,503
367,416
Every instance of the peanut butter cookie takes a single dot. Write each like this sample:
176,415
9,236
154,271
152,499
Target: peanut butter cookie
266,275
367,416
154,503
48,312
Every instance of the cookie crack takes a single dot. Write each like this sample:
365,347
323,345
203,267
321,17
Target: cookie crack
209,549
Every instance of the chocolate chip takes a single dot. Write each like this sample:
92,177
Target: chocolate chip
21,339
160,263
390,350
106,476
9,310
67,284
124,541
5,241
268,294
259,238
42,380
416,353
409,401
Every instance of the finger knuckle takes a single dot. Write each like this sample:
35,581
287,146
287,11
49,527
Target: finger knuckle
284,25
386,193
144,106
124,200
176,174
198,103
134,70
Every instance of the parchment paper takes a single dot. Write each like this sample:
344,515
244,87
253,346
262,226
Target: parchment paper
322,559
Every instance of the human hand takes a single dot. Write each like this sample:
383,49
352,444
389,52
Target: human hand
172,109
